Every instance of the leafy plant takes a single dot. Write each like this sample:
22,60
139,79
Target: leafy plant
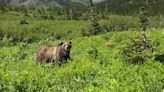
137,53
93,52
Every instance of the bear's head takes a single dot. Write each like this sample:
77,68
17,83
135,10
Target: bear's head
66,46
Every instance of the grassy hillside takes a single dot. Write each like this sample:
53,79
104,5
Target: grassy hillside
98,61
60,27
108,72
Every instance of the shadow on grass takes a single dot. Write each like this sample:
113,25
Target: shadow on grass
160,58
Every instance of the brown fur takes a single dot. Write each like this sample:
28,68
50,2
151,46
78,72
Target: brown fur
54,53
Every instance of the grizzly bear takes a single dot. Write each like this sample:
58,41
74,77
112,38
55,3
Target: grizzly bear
51,53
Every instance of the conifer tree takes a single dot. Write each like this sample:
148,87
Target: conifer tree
95,27
144,23
26,11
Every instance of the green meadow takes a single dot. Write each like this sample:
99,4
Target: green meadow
97,64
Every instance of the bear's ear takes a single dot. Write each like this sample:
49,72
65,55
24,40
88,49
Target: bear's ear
61,43
70,42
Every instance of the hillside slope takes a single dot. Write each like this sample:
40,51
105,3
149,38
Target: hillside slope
105,73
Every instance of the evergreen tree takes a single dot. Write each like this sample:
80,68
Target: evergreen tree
95,26
26,11
144,23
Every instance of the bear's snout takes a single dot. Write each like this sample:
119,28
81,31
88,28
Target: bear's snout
68,48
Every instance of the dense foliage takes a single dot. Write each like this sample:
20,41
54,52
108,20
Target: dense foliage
97,68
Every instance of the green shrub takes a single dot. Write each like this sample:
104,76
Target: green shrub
93,52
137,53
6,41
85,32
95,28
119,23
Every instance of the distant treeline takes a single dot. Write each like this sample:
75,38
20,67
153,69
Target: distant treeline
121,7
131,7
